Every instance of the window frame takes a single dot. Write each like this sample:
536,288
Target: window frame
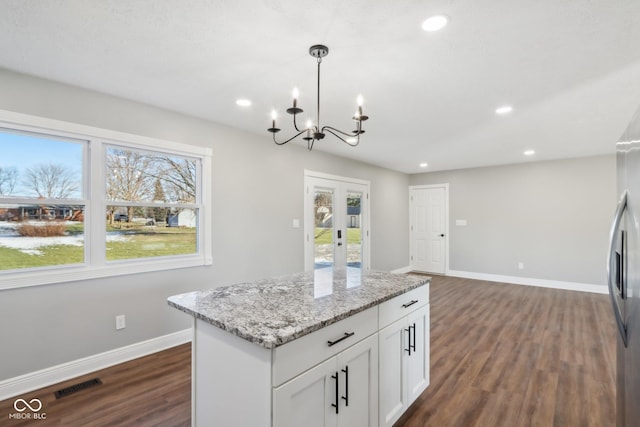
95,201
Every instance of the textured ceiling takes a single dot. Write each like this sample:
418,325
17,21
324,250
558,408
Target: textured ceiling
570,68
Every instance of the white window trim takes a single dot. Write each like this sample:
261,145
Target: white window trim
98,268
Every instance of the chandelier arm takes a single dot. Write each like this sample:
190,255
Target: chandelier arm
352,144
290,139
295,125
349,134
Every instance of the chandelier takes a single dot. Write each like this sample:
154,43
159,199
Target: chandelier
313,132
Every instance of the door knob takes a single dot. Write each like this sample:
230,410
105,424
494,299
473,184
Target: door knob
442,235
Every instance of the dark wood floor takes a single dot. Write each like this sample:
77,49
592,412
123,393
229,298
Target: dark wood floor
154,390
501,355
508,355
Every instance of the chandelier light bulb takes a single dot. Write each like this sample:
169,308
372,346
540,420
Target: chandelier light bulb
359,100
274,115
296,93
309,124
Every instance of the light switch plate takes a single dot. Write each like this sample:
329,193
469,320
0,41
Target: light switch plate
296,223
461,222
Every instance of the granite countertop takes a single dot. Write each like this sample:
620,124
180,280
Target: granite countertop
275,311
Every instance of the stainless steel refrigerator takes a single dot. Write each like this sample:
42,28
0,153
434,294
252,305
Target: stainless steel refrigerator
624,275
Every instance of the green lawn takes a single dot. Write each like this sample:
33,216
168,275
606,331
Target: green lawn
141,242
151,242
323,235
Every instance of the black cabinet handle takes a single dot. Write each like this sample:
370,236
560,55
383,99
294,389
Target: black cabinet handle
346,335
412,345
408,330
346,386
409,304
335,405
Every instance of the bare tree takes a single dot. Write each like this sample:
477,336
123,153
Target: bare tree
50,180
130,176
179,178
8,180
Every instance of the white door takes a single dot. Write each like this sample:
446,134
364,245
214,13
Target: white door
307,399
418,360
429,224
393,376
358,366
336,222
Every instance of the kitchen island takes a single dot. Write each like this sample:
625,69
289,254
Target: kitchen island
309,349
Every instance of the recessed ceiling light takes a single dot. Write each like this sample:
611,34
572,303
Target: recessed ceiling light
423,165
505,109
529,153
435,23
243,102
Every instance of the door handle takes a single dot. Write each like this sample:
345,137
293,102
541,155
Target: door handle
335,405
613,266
408,331
412,345
346,385
442,235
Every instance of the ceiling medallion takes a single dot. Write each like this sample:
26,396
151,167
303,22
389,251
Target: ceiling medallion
313,132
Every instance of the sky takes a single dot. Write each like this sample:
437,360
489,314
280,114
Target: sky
23,150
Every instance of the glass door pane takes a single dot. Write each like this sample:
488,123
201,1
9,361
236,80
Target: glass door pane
353,224
324,228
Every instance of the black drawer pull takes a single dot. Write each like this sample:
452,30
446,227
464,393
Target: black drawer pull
410,303
346,335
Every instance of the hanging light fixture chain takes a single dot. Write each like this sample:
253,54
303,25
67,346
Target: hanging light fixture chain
318,103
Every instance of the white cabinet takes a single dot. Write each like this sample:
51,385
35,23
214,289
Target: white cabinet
356,372
417,361
342,391
403,354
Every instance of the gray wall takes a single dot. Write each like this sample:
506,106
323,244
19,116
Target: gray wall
553,216
257,191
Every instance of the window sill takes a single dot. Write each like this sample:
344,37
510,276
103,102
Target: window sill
22,279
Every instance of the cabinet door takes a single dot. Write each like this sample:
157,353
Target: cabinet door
307,399
358,367
393,376
417,362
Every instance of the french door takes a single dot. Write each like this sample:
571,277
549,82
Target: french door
336,222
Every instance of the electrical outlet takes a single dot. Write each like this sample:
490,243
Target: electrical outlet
121,321
521,266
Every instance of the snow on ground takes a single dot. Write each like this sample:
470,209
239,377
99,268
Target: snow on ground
9,238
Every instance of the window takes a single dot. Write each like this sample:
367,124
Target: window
152,207
78,202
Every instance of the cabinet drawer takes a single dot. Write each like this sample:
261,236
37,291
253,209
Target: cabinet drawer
299,355
400,306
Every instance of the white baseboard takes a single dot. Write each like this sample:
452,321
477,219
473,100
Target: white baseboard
528,281
65,371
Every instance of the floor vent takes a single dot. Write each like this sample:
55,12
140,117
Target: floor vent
77,387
